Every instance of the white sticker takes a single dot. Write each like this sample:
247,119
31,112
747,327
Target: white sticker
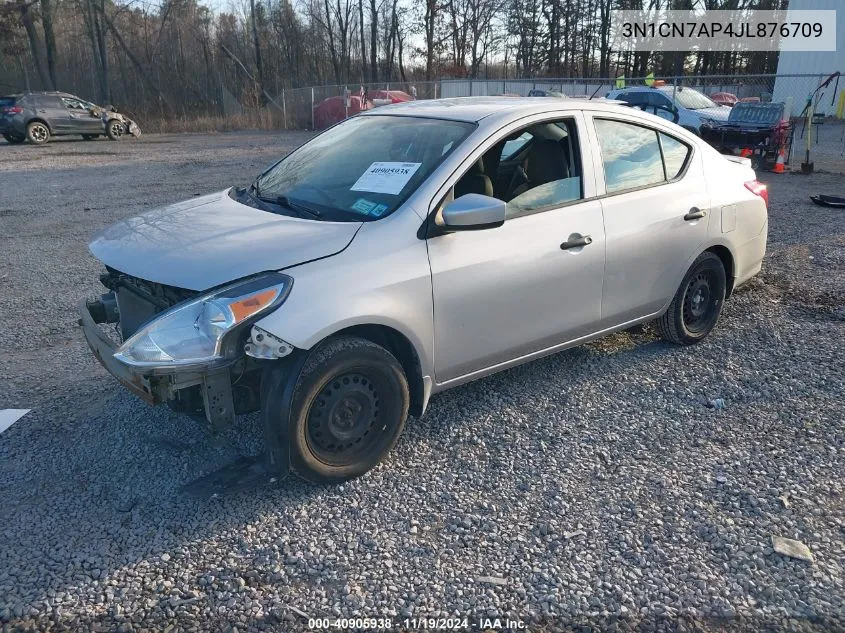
9,416
386,177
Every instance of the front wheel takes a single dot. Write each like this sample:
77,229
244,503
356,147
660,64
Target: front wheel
695,309
115,129
349,407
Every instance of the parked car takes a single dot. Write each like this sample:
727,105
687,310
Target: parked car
691,106
38,116
724,98
537,92
333,109
414,248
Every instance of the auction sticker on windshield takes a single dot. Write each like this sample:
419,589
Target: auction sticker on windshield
387,178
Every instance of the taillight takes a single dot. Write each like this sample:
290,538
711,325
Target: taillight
12,110
758,189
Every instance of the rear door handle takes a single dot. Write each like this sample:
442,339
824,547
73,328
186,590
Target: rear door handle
694,214
584,240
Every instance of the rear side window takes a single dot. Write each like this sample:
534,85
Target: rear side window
675,155
630,155
635,156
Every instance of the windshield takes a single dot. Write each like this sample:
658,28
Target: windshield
692,99
362,169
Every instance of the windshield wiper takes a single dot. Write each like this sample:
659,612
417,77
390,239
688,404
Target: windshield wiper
297,207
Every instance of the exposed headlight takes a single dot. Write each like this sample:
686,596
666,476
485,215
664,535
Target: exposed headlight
193,332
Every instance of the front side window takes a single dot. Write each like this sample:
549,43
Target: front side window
72,104
630,155
362,169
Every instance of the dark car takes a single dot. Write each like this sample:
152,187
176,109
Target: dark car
37,116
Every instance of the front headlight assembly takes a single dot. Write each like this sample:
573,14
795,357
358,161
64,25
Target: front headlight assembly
193,332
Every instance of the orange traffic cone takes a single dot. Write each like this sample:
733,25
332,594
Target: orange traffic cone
780,165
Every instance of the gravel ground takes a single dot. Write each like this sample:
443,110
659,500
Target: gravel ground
628,483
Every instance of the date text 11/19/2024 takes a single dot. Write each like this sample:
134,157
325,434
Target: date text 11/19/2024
418,624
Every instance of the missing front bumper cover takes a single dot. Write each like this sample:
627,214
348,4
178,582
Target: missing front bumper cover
158,385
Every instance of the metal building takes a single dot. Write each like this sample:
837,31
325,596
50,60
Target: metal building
818,63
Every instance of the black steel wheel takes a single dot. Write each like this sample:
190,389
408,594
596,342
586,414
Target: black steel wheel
115,129
37,133
697,304
349,406
14,140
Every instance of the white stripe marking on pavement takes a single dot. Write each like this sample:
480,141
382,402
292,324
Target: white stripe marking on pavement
9,416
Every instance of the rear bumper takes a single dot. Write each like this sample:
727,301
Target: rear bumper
156,385
12,126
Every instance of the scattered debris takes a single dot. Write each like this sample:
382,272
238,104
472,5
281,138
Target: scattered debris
721,479
718,403
299,612
784,499
792,548
571,535
165,557
492,580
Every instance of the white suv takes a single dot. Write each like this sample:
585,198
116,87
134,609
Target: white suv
692,107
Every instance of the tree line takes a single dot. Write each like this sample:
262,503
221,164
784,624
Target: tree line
178,58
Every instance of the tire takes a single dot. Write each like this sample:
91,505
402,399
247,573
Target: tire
37,133
14,140
90,137
349,406
115,129
697,304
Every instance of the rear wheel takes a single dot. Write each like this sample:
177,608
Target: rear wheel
37,133
350,404
115,129
695,309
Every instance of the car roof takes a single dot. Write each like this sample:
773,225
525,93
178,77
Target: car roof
474,109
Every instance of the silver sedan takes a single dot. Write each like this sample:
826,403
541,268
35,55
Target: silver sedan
414,248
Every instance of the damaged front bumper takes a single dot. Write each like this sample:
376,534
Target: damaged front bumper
156,385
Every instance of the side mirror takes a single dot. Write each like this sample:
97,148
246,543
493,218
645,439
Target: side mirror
474,212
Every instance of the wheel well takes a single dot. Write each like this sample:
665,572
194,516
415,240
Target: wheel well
37,120
398,345
728,262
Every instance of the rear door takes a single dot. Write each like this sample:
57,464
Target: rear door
656,212
51,109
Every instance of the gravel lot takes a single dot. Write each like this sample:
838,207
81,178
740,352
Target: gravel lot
627,482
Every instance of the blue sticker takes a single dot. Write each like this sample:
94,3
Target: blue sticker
378,210
364,206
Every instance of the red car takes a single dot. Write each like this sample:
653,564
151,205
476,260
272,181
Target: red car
332,110
724,98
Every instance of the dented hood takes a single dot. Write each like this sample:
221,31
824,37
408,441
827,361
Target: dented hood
208,241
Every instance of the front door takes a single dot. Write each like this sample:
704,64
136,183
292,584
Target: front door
81,119
533,283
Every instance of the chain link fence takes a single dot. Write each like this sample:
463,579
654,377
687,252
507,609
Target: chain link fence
318,107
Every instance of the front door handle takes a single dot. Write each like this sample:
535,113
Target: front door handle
694,214
576,242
